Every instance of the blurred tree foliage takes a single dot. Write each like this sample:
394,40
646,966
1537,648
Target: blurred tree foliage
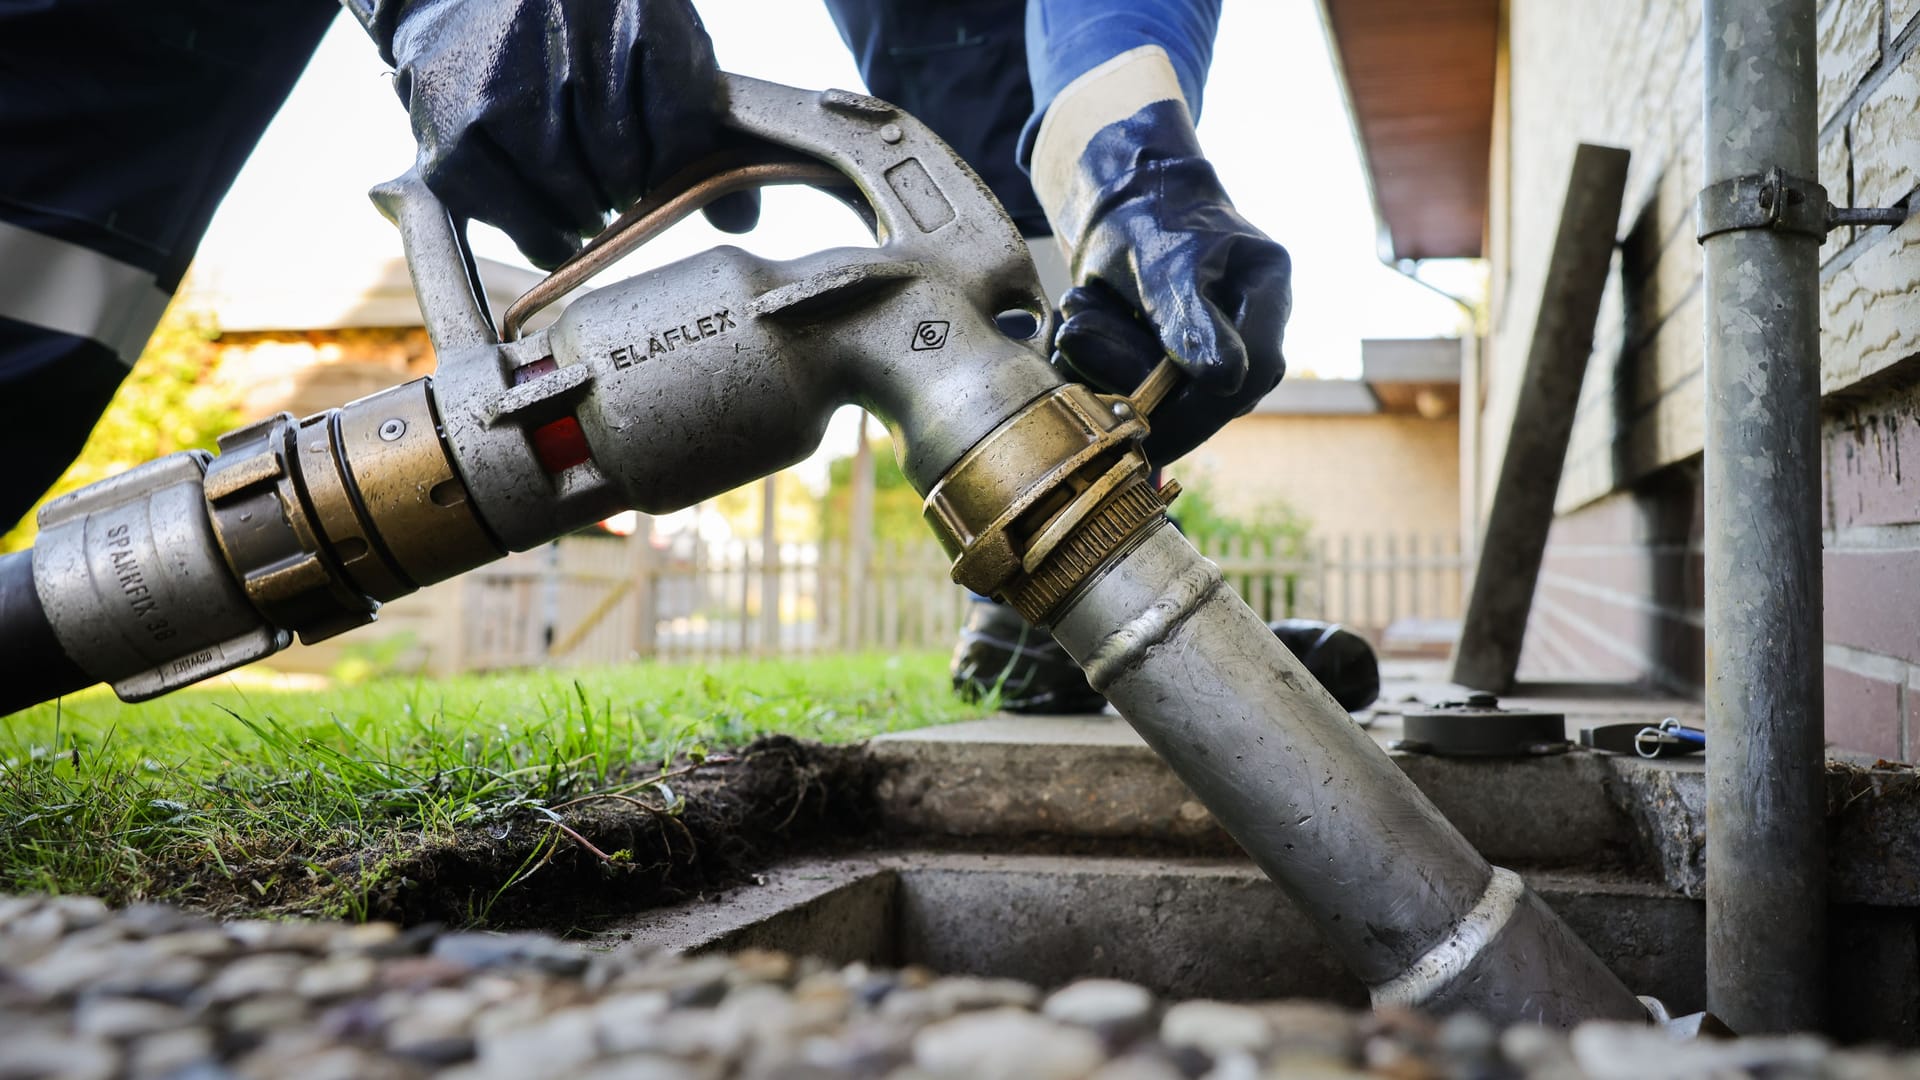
796,513
168,403
1200,515
896,506
1274,524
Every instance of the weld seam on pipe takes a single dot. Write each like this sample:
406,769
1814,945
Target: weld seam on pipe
1454,954
1123,649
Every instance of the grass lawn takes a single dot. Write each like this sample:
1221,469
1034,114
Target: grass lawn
217,796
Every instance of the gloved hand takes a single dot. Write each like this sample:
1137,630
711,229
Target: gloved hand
1163,266
540,116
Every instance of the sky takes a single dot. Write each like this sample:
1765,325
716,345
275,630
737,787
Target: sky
1274,126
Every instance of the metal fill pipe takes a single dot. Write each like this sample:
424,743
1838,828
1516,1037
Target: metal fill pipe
1766,844
1411,907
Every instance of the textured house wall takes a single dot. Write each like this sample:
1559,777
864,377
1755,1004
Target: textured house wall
1350,475
1620,591
1620,595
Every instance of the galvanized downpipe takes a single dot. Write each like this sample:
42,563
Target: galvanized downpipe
1766,844
1411,907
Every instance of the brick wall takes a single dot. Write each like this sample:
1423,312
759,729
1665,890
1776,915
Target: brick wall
1620,593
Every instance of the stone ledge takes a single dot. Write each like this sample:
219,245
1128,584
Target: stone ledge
1092,778
1873,818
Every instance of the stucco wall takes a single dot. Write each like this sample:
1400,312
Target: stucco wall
1350,475
1621,596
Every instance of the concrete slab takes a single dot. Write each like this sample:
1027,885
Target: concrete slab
1199,927
1613,844
1086,777
1092,777
1873,822
840,908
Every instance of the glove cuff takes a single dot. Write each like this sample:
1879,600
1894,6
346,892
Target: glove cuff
1067,174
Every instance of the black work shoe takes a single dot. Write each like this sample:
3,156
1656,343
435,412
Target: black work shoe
1338,658
998,650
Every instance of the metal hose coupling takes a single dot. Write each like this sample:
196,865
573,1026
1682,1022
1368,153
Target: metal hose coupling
194,564
1032,513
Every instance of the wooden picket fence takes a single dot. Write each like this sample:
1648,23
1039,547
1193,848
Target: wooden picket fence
602,600
1370,583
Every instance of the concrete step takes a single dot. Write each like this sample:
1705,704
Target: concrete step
1092,778
986,869
1205,927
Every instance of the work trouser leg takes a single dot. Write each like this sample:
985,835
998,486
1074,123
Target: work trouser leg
122,125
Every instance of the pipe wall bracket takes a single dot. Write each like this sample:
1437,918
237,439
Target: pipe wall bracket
1782,202
1774,199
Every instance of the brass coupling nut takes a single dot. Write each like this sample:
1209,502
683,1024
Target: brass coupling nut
1107,531
269,539
325,518
1040,505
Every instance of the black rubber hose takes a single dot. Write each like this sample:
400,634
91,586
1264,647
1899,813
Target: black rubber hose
33,667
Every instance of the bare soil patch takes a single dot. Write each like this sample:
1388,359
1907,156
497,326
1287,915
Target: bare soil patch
565,867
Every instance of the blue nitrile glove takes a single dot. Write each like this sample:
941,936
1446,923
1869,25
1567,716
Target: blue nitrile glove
1163,265
540,116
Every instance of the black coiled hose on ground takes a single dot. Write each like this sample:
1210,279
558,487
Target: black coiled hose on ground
33,666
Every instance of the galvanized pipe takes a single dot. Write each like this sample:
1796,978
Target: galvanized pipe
1411,907
1766,853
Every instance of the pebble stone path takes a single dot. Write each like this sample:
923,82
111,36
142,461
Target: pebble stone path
152,992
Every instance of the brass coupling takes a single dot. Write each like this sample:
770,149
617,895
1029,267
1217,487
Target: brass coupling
323,519
1035,510
1106,532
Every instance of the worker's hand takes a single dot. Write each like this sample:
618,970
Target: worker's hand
540,116
1163,266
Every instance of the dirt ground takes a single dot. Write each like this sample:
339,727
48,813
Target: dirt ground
559,870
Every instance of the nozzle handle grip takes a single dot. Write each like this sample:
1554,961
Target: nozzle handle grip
453,302
913,185
906,183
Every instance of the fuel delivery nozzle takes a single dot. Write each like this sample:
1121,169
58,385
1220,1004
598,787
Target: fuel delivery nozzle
194,564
